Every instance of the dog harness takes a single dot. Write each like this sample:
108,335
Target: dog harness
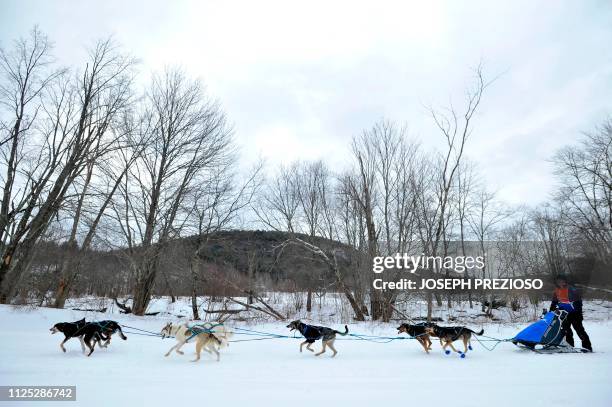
311,332
195,330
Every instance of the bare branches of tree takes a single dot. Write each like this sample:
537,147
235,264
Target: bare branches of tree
215,201
73,132
188,139
89,162
455,127
585,173
278,205
332,262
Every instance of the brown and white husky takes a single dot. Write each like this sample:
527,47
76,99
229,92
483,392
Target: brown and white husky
209,336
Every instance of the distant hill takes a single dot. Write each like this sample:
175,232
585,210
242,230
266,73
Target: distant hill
261,251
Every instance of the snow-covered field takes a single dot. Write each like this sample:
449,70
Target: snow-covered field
273,372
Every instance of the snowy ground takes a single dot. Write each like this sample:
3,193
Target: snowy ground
273,372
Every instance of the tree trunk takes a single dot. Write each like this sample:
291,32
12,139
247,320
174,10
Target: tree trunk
144,288
470,300
63,290
438,299
36,229
359,316
195,267
309,300
376,305
252,259
194,302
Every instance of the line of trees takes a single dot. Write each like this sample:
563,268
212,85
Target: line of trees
94,164
88,159
398,198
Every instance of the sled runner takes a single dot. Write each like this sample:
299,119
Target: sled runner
546,335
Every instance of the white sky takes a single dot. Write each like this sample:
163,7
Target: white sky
299,80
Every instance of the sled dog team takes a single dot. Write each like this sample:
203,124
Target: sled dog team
213,336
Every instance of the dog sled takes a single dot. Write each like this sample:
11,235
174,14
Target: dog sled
546,335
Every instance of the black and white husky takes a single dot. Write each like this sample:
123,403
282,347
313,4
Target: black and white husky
70,330
88,332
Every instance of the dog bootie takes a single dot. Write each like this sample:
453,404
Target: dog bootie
470,347
447,352
462,355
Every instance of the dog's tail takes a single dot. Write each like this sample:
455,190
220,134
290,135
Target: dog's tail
224,335
479,333
121,333
343,333
219,342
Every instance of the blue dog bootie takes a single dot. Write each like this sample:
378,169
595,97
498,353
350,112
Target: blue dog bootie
447,352
462,355
470,347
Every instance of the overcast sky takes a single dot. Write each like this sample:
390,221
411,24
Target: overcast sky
298,81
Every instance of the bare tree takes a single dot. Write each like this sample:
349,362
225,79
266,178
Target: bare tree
313,190
332,262
465,185
585,172
94,199
455,127
216,201
73,133
518,247
351,230
26,72
384,189
362,187
187,135
487,213
279,201
310,183
550,232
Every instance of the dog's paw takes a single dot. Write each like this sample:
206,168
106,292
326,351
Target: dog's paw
447,352
470,347
180,352
462,356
